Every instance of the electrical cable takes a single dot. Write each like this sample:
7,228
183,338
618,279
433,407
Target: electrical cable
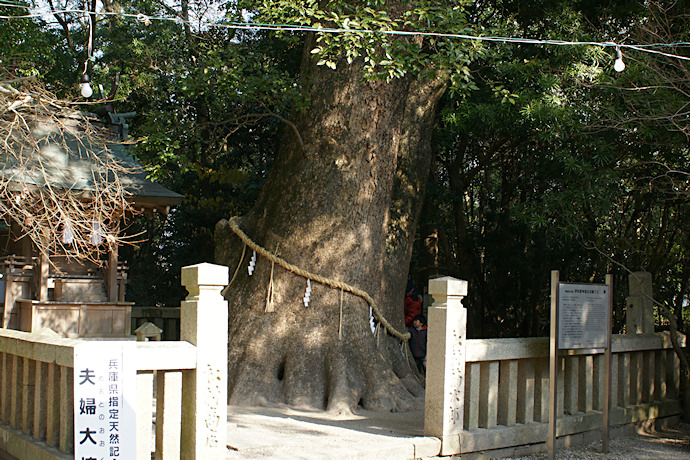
645,48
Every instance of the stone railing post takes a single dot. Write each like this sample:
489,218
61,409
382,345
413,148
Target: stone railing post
204,323
445,375
639,314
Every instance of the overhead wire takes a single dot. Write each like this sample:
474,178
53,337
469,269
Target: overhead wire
645,48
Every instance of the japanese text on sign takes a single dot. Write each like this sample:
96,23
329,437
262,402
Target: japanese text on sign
582,315
104,401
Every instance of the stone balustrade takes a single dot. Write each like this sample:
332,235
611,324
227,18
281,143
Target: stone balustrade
494,393
190,384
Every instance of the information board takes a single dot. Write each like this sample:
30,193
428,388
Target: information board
104,400
582,315
580,319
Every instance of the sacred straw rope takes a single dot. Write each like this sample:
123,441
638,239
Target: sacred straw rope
319,279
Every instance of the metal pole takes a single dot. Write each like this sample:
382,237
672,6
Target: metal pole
607,370
553,364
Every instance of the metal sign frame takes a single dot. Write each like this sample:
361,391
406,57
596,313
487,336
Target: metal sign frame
554,346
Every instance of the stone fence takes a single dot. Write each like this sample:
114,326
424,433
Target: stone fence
484,395
188,379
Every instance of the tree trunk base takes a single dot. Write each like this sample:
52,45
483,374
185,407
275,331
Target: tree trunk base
309,367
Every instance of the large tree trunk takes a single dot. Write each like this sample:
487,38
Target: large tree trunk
325,207
413,165
409,187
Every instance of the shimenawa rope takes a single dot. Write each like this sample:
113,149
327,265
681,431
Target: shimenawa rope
319,279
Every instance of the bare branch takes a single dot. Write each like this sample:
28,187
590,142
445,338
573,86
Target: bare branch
64,24
41,137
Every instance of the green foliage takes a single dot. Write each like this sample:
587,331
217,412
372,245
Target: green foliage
205,127
208,101
386,54
24,50
534,176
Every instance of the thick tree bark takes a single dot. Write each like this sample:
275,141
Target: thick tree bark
413,164
325,207
414,159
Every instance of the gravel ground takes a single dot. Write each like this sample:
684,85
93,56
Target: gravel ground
669,444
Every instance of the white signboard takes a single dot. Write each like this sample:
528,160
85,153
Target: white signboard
582,315
104,401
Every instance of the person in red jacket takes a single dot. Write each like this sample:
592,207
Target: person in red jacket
413,306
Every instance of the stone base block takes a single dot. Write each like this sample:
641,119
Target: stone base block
15,444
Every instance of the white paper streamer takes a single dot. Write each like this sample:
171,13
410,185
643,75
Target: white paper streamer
307,293
252,263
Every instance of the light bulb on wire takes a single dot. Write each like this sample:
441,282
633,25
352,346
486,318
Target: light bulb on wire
84,85
619,65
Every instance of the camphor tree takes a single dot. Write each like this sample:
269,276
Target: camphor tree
350,172
343,199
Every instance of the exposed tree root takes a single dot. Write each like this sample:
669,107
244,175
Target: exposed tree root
309,367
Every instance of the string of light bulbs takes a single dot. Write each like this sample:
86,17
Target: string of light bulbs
647,48
85,81
619,64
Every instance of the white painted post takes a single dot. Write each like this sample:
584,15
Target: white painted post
445,375
204,323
